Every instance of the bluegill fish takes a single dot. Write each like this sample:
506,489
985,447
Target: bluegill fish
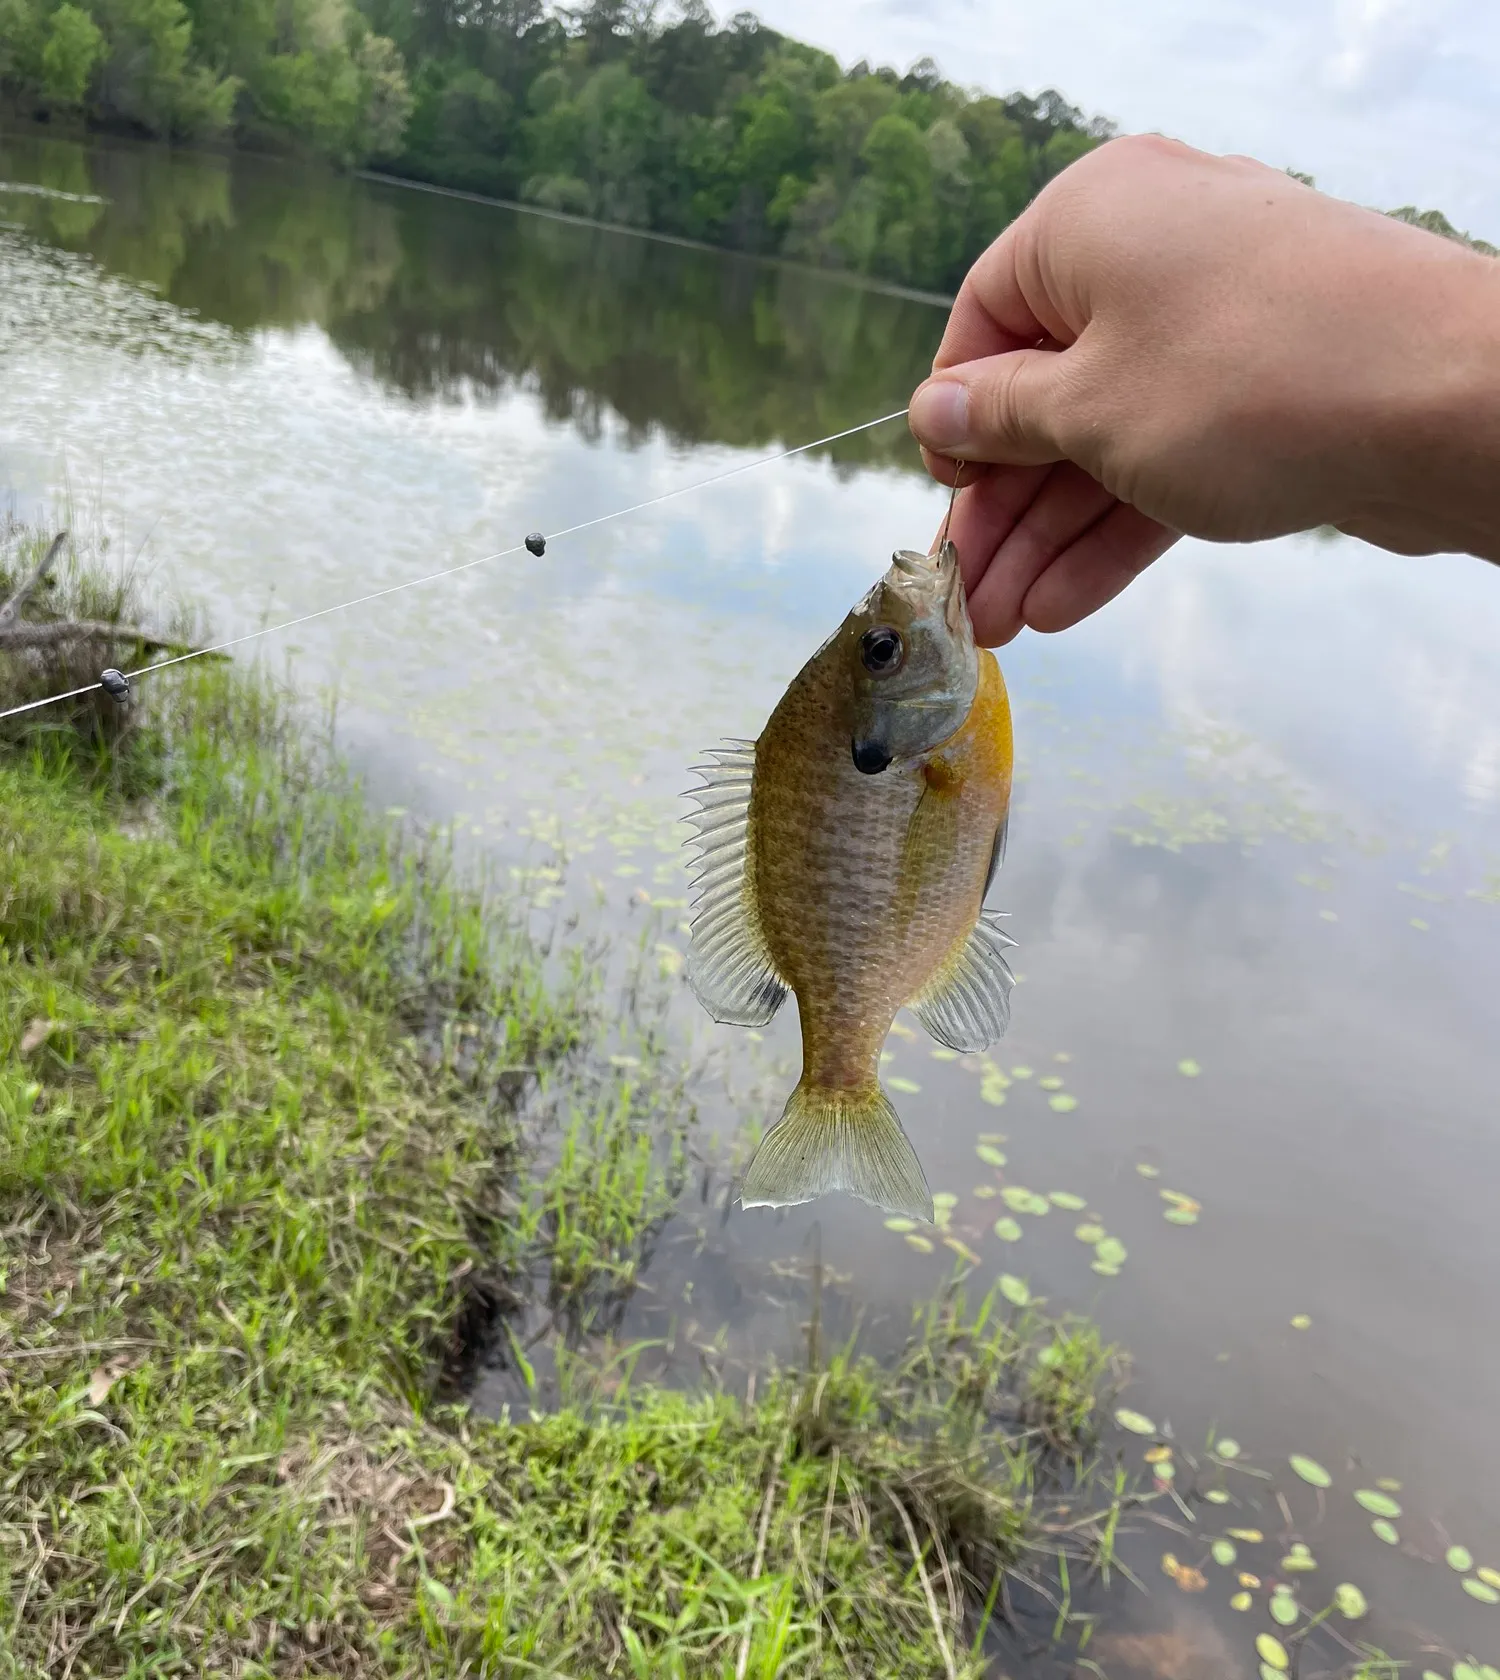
845,856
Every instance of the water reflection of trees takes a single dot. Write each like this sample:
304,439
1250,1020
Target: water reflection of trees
704,347
443,300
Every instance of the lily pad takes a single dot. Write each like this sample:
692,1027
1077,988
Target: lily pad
1050,1082
1216,1496
1090,1233
897,1223
1247,1536
1111,1251
1020,1073
907,1087
962,1250
1146,1170
1241,1601
1021,1200
1180,1216
1302,1322
1490,1577
1103,1269
1224,1553
1350,1602
1377,1504
1228,1448
1310,1471
1272,1652
1066,1200
1460,1558
1188,1068
1007,1230
985,1192
994,1095
921,1244
1136,1422
1382,1530
1015,1290
1478,1589
1283,1608
991,1156
941,1053
1062,1103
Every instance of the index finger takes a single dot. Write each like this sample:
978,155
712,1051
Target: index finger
990,315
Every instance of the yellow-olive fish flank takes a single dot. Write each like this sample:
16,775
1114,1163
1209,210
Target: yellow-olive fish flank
845,856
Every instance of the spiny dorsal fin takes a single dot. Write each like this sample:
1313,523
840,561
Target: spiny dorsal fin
966,1004
729,967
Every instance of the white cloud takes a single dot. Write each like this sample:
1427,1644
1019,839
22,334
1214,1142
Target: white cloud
1385,101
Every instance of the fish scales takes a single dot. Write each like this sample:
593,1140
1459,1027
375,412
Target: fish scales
845,856
855,918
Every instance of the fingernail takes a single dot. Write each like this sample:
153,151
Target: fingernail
939,414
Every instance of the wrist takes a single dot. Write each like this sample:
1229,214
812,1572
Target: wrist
1439,464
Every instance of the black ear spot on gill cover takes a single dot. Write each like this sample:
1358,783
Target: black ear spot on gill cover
870,758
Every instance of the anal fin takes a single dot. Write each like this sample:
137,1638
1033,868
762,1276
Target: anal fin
966,1004
729,968
831,1140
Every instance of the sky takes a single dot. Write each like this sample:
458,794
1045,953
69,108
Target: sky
1387,102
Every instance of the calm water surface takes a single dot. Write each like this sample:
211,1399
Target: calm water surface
1254,831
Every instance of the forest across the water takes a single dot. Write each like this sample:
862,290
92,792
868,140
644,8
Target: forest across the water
730,133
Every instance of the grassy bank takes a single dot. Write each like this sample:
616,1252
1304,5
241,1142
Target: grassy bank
289,1120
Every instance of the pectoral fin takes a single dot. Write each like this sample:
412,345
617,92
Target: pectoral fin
966,1004
838,1140
729,968
997,856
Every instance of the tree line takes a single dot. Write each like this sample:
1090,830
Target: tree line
731,132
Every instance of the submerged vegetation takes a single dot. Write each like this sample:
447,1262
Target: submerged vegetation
292,1126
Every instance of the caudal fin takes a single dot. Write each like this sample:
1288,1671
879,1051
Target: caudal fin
838,1140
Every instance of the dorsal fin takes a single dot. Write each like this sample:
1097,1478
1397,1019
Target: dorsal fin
729,968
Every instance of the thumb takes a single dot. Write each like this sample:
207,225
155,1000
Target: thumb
1008,409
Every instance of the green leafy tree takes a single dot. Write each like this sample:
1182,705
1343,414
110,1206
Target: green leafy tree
623,109
75,45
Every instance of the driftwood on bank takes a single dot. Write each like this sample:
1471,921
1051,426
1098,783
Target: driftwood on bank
12,608
17,636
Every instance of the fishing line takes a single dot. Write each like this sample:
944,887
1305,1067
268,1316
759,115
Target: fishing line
117,683
958,473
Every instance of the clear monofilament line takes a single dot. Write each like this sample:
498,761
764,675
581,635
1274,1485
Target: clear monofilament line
453,571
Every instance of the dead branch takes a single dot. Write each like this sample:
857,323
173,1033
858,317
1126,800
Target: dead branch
19,638
13,606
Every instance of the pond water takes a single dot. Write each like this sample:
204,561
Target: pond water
1253,869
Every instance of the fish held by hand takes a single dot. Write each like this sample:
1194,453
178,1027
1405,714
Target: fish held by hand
845,856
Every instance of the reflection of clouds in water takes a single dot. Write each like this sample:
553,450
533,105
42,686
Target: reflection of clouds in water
1367,676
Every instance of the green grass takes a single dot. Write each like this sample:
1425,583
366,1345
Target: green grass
287,1115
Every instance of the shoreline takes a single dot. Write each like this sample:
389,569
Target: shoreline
274,1089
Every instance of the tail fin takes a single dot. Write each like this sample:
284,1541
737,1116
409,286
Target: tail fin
838,1140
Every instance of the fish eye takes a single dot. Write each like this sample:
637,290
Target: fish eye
882,650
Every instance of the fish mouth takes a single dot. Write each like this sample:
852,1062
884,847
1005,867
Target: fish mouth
870,758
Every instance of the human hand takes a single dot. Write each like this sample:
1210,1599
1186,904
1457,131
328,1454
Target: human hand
1167,342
